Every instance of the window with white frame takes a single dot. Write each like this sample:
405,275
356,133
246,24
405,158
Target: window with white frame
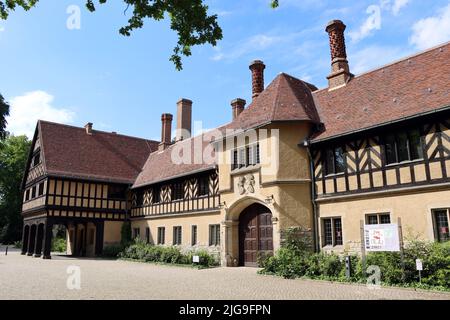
332,232
378,218
245,157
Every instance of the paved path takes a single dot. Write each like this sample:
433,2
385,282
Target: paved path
23,277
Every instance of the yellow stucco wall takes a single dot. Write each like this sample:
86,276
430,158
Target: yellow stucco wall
112,233
201,220
414,209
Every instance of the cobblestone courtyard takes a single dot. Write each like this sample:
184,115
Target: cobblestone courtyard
23,277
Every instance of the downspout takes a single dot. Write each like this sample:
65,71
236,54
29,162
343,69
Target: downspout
307,144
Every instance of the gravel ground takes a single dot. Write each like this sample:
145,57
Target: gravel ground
23,277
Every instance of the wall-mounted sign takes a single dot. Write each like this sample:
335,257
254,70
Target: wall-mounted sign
381,237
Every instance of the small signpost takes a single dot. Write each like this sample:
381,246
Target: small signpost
196,259
419,267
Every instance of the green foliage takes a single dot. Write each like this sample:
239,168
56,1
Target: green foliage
59,245
13,159
141,251
4,112
112,251
290,262
18,244
125,234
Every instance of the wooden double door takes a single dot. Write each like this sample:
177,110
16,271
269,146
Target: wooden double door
255,234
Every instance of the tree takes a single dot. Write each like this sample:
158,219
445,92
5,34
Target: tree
4,112
189,18
13,158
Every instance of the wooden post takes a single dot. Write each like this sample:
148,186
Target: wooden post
363,248
48,235
400,238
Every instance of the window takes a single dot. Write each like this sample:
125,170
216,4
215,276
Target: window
33,192
36,159
214,235
176,236
140,198
194,235
161,235
203,186
41,189
335,161
337,232
441,225
147,235
156,194
177,191
27,195
403,146
136,233
245,157
378,218
332,232
117,192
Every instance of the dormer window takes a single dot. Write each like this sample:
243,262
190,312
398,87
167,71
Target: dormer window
36,160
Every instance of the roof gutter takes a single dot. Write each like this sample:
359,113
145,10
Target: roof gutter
417,115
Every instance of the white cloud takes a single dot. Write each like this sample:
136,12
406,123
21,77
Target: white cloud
373,57
398,5
27,109
373,22
2,29
432,31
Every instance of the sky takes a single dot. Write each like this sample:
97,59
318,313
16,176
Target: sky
61,63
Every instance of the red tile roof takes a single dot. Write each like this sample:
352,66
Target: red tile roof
405,88
163,165
68,151
285,99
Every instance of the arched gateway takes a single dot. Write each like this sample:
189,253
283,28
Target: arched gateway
255,234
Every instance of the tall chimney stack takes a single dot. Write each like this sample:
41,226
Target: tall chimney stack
257,67
184,119
237,106
340,71
88,128
166,131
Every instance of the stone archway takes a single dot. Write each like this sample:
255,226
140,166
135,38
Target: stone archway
39,240
31,240
255,234
25,238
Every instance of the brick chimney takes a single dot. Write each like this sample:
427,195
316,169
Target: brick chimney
166,131
88,128
340,71
257,67
237,106
184,119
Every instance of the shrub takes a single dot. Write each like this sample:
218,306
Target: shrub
112,251
18,244
59,245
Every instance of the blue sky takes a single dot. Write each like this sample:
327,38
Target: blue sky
93,74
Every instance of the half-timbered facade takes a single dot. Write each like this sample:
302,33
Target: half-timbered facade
368,149
79,178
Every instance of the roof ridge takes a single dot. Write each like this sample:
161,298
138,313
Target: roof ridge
411,56
100,131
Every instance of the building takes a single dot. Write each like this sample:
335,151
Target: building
368,149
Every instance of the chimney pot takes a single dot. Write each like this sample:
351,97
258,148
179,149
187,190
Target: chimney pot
88,128
257,67
184,119
340,70
238,105
166,131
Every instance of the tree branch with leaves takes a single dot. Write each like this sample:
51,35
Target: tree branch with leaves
4,112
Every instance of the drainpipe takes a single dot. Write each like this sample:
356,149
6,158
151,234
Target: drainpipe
307,145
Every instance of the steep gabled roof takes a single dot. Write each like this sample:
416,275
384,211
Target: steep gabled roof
414,85
163,165
70,152
285,99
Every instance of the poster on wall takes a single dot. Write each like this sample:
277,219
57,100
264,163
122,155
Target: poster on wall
381,237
